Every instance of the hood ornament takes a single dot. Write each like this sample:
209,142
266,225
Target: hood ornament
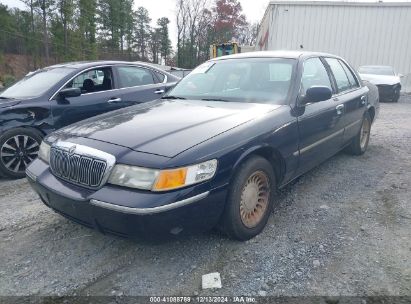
72,149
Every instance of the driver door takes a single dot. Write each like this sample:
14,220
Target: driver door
320,124
97,96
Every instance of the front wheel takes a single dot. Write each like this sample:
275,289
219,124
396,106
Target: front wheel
250,199
360,142
396,94
18,148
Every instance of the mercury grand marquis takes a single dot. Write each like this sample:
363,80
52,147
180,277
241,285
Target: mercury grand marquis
212,152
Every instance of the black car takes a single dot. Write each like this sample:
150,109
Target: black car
211,152
59,95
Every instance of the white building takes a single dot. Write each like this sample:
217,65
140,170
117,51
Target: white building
362,33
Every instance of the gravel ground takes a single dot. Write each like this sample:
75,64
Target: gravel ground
342,229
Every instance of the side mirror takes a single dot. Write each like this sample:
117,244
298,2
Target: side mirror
70,92
400,75
317,94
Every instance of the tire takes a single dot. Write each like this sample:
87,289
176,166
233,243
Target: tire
254,177
360,142
396,95
18,148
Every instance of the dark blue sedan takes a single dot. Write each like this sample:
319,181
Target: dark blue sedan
59,95
212,152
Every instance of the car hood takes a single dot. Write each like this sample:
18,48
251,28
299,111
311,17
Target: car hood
4,103
166,127
381,79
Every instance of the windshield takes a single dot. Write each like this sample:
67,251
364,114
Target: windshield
376,70
35,84
253,80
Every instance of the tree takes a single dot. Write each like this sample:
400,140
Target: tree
142,31
229,20
87,28
247,35
32,43
154,44
191,16
66,13
45,6
62,30
127,24
164,40
109,22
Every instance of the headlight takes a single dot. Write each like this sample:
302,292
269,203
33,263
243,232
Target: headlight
44,152
156,180
134,177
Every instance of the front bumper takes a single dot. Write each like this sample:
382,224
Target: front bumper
128,212
388,92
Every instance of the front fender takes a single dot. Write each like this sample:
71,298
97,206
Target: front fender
38,118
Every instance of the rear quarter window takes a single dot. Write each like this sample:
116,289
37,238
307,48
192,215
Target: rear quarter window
343,84
350,75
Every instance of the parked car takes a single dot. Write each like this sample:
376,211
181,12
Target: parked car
179,72
384,77
59,95
373,97
211,152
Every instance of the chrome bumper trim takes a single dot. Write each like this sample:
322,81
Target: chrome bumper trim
130,210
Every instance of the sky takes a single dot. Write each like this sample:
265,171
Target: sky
252,9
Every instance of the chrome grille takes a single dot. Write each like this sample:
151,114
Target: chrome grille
76,168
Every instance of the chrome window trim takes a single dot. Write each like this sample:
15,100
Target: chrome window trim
143,211
351,89
112,90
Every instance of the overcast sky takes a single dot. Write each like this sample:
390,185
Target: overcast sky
253,10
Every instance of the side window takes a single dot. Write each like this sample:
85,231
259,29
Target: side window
160,76
351,78
95,80
130,76
341,79
314,74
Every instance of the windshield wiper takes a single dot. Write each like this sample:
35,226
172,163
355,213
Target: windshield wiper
172,97
3,97
215,99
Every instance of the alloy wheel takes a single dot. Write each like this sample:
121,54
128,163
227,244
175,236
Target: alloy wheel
18,152
254,199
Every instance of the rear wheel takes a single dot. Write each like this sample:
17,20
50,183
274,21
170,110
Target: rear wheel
360,142
18,148
250,199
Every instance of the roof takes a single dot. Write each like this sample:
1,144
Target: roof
340,3
275,54
86,64
375,66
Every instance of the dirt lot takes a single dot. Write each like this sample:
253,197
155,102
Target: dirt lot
342,229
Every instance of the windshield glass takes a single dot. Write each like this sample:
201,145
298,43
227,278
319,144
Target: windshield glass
35,84
376,70
254,80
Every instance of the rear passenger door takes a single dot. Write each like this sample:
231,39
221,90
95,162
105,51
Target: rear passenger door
139,84
320,124
350,95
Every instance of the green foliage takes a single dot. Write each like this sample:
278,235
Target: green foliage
69,30
8,80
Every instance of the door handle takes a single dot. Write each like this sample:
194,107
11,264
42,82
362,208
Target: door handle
114,100
363,100
159,92
339,109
